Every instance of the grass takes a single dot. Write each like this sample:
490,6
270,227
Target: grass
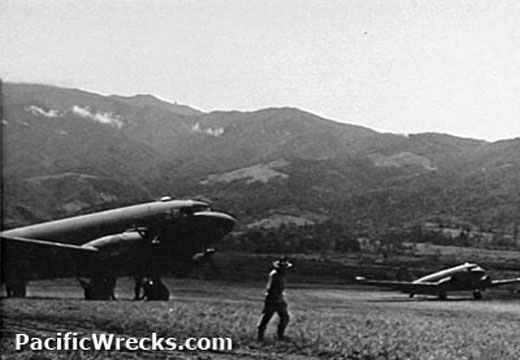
327,322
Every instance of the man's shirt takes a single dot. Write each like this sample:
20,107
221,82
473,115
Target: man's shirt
275,286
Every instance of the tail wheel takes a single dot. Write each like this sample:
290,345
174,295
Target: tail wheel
477,295
443,296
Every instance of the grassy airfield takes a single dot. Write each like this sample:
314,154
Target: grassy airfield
344,322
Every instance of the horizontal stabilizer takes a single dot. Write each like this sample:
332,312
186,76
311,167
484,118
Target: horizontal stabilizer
392,283
505,282
404,286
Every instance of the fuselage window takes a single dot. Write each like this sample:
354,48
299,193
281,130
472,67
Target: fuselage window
173,213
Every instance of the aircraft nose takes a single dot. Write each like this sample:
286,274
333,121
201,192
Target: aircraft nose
213,225
225,222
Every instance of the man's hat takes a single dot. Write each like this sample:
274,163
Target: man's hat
282,263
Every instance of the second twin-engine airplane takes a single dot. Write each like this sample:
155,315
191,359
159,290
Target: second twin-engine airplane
145,240
465,277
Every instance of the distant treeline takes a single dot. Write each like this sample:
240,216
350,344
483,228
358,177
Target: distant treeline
465,237
323,237
335,237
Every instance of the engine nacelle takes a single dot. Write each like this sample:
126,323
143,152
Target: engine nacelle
117,242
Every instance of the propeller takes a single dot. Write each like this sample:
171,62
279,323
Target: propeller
207,257
486,281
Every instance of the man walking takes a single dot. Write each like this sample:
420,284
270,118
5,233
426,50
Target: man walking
274,299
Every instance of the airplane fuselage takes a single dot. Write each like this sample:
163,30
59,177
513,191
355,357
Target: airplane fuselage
80,229
465,277
459,278
152,238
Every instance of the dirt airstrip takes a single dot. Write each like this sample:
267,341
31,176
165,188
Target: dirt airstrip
349,322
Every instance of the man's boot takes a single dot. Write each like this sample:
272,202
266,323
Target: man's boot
282,325
280,333
260,337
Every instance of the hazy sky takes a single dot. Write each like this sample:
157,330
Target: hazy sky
394,66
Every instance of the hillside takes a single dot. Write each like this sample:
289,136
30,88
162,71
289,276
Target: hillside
68,151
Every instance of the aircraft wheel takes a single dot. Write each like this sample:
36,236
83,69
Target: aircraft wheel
477,295
16,290
155,290
443,296
99,289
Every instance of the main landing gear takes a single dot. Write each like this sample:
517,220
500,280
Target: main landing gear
16,289
477,295
154,290
99,288
152,287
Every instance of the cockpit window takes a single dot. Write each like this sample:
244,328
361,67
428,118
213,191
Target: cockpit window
186,211
199,208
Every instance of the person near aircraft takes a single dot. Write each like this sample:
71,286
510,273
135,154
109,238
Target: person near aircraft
155,290
99,288
274,300
16,289
199,259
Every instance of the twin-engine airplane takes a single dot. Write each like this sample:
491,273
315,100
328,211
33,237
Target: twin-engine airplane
146,240
465,277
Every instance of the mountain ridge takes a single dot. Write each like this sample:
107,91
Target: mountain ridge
341,171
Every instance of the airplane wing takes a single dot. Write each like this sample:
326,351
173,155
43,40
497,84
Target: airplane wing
504,282
406,286
33,259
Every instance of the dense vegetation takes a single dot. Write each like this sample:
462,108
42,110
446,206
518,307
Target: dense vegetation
324,237
331,237
60,161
